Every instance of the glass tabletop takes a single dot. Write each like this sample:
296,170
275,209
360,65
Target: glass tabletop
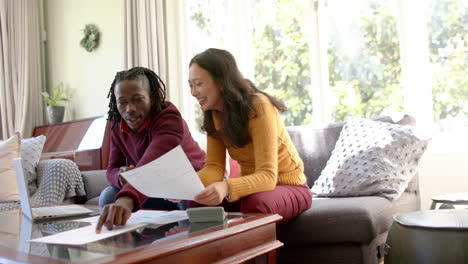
146,235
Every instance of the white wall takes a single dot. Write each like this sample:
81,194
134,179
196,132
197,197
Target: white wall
86,75
442,172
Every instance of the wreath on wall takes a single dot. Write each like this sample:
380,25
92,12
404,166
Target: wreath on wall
90,40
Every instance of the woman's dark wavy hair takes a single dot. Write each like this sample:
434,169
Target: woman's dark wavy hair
156,86
237,95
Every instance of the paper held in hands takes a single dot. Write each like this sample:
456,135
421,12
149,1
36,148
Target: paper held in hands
169,176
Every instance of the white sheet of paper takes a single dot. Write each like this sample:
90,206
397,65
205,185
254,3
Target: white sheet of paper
84,235
169,176
147,217
169,217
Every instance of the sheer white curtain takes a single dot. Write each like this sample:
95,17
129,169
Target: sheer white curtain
145,43
21,66
318,37
416,72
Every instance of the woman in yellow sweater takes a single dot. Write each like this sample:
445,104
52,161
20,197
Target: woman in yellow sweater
245,121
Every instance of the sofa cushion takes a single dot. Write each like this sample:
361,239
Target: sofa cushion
343,220
9,149
315,145
31,149
94,182
371,158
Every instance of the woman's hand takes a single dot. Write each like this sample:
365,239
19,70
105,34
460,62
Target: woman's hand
115,214
213,193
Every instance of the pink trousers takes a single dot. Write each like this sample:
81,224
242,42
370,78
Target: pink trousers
285,200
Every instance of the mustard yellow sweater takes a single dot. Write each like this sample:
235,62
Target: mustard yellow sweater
269,159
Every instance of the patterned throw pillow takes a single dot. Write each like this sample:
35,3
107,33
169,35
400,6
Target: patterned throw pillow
31,149
371,158
9,150
59,179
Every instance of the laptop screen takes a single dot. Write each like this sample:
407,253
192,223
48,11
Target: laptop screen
22,188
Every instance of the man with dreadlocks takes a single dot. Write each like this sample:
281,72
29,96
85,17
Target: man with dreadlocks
144,127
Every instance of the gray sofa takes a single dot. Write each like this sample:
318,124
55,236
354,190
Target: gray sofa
339,230
333,230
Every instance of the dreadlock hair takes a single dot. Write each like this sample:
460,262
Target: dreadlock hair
157,90
237,95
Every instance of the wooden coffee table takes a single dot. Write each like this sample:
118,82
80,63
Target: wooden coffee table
244,237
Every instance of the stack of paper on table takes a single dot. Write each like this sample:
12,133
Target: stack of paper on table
87,234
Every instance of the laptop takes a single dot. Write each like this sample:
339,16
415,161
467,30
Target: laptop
39,213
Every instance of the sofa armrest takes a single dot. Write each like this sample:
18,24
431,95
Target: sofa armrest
94,182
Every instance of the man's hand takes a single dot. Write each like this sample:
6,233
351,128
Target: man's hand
115,214
213,193
122,180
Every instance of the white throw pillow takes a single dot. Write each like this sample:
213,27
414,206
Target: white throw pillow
31,149
371,158
9,149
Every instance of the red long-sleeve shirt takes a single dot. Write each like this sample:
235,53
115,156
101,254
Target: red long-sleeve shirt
158,135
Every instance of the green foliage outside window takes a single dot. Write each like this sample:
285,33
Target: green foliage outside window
369,82
282,64
365,85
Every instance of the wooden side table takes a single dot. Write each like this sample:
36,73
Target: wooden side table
449,200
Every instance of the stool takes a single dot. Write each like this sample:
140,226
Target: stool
433,236
449,200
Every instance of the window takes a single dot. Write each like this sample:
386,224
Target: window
448,48
335,59
219,24
270,46
281,56
363,58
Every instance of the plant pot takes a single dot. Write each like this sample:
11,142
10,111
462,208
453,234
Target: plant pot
55,114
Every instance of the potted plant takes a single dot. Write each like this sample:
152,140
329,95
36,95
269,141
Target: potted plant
55,111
